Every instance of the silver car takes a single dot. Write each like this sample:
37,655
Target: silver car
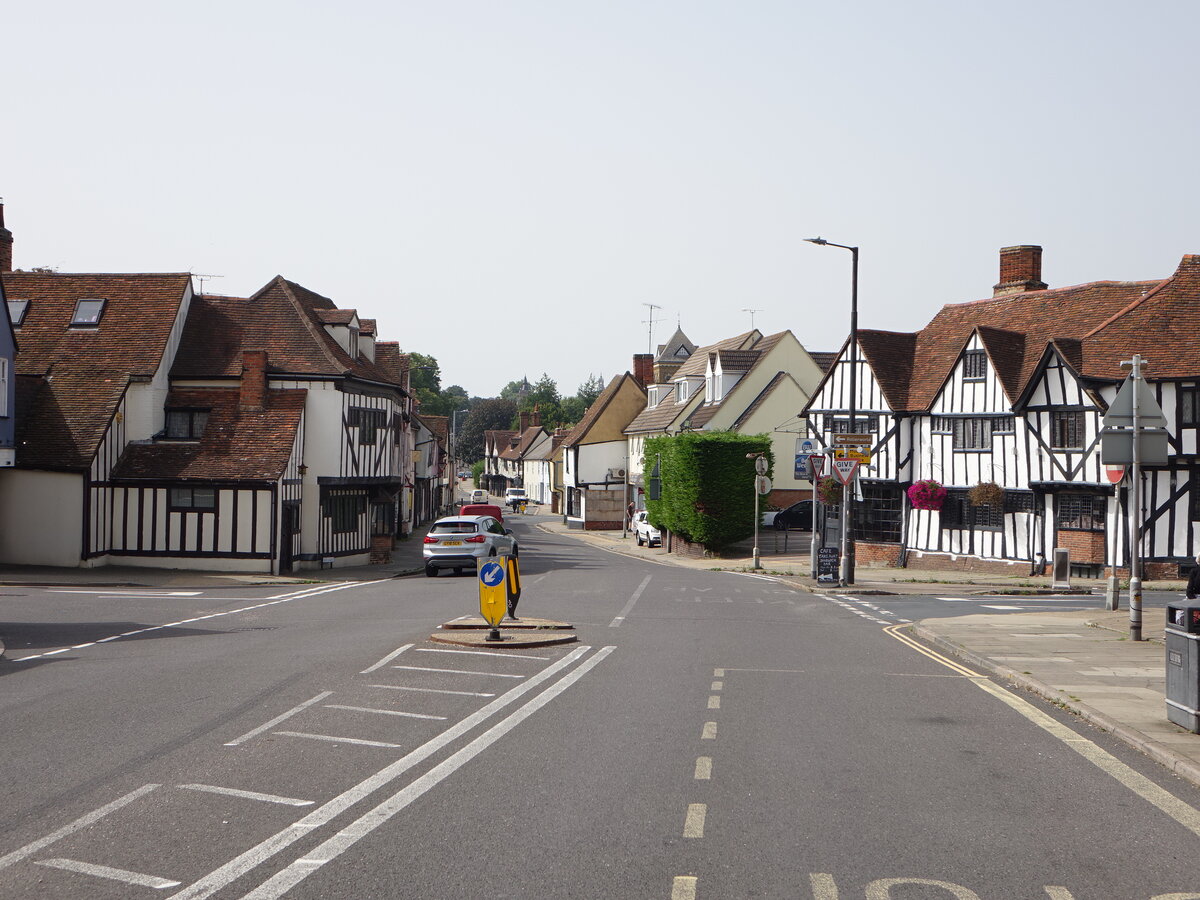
455,542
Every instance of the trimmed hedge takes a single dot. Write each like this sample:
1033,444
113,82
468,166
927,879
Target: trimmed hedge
707,485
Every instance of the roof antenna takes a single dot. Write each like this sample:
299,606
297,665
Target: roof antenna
201,278
650,322
752,312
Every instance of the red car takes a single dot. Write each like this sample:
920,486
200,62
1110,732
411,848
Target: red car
482,509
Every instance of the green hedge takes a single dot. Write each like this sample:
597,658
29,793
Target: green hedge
707,485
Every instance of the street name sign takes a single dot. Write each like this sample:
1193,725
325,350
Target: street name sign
853,440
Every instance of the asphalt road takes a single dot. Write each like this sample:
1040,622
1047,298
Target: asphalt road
711,735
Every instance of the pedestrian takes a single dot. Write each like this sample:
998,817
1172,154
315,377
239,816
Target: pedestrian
629,512
1193,583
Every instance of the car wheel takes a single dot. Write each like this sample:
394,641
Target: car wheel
431,571
639,540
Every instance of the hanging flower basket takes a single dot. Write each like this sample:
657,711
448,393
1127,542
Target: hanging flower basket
927,494
829,490
986,493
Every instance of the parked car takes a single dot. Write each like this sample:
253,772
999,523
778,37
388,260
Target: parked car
797,516
455,542
643,532
479,496
482,509
515,498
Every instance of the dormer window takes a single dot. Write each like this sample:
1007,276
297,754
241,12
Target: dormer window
652,395
683,390
186,424
17,310
354,343
87,312
974,365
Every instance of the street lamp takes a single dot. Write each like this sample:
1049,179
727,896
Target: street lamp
454,447
847,573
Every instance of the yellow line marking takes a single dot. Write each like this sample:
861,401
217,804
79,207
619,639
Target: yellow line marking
693,826
1168,803
684,888
894,631
703,768
714,702
710,732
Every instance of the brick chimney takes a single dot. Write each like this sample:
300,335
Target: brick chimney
524,420
5,244
254,381
1020,270
536,419
643,368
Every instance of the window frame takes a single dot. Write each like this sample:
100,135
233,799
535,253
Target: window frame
974,365
1075,419
1189,406
343,511
91,321
21,304
879,516
176,499
1080,519
194,431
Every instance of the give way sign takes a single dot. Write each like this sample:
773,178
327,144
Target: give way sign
844,469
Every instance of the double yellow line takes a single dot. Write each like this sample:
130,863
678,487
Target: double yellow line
894,631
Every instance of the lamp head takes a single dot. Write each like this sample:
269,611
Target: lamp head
817,240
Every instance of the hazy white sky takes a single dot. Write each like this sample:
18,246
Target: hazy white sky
505,184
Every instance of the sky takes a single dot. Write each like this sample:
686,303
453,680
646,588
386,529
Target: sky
506,185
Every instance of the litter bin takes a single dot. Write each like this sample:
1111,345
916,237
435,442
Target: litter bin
1183,664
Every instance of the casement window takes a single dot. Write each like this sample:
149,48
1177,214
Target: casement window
343,510
1066,430
1189,406
974,365
1018,501
3,385
957,512
877,517
193,499
368,422
17,310
973,432
1080,512
353,343
186,424
841,424
87,312
1194,487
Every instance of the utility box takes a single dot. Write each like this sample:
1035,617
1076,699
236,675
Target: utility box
1183,664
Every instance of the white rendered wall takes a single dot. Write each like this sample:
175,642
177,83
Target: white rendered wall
40,516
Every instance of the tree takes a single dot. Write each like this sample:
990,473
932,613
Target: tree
486,415
707,485
590,390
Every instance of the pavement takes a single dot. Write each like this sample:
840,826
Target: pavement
1079,660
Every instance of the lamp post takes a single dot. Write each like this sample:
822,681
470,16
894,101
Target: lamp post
847,573
454,448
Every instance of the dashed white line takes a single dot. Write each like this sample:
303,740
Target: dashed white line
82,822
616,623
714,702
123,875
710,732
334,739
456,671
247,795
387,659
683,887
703,768
397,687
693,825
384,712
280,718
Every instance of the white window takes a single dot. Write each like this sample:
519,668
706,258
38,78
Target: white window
3,386
683,390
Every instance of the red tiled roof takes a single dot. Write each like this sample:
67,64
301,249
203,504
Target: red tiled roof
237,445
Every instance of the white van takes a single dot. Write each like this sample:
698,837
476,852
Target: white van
479,496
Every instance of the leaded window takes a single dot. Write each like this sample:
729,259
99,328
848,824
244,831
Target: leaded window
877,517
191,499
343,511
974,365
1066,430
957,512
1081,512
186,424
1189,406
841,424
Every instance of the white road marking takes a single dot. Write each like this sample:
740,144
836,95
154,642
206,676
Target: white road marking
384,712
397,687
683,887
710,732
71,865
693,825
334,739
995,606
127,593
387,659
490,653
823,886
275,721
714,702
289,877
616,623
82,822
456,671
265,850
717,685
703,768
285,598
247,795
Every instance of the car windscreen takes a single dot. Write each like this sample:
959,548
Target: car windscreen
453,528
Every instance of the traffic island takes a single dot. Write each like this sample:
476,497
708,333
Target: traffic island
474,631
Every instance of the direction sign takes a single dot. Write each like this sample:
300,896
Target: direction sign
853,440
493,592
861,455
844,469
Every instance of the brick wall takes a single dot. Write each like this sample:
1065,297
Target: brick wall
1085,546
866,554
785,498
677,545
381,549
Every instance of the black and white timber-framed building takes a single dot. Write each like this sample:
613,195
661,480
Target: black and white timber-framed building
1011,391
